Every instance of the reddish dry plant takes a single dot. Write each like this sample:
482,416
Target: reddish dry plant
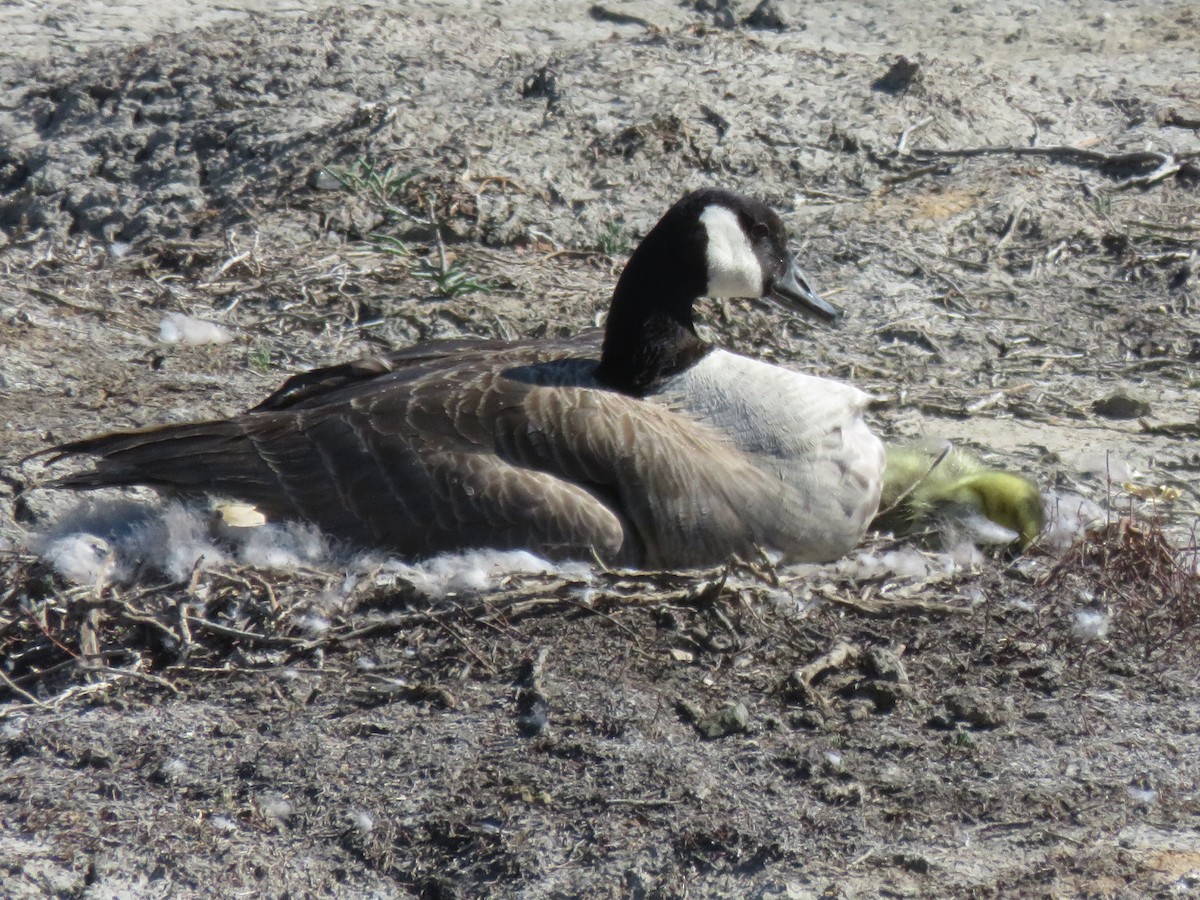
1150,587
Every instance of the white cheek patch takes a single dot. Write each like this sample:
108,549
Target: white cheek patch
733,269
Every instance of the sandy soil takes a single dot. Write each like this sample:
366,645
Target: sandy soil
1004,195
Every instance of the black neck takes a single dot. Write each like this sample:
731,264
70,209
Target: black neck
650,334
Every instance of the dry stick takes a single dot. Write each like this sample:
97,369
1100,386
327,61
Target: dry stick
49,670
835,658
79,690
1166,170
227,631
603,615
466,646
266,586
125,613
132,673
635,801
89,637
907,132
518,609
1013,220
437,233
383,625
890,608
1083,157
185,633
916,484
765,570
17,689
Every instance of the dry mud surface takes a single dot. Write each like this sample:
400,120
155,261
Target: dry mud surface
1004,194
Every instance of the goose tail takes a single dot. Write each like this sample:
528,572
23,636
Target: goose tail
211,457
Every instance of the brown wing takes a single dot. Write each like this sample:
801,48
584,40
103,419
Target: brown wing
676,482
449,446
399,454
315,387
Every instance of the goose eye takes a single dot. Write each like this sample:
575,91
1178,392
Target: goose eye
759,231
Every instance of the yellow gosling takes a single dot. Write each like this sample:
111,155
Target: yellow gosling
924,488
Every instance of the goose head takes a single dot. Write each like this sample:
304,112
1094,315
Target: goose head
712,243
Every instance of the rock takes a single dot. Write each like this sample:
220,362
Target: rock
884,665
729,719
722,12
912,862
96,756
542,83
533,713
808,719
323,180
766,17
852,794
788,890
1120,405
615,17
689,711
857,710
883,695
902,74
971,706
1045,676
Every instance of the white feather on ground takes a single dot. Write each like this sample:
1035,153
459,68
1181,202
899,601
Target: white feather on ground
101,541
1104,463
1090,625
475,571
176,328
1068,516
113,540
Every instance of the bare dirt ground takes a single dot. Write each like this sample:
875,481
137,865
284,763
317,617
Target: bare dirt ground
1005,195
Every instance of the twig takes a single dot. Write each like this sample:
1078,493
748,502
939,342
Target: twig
17,689
463,642
126,613
637,801
916,484
382,626
185,632
228,631
1166,170
437,234
579,604
834,658
131,673
891,608
861,858
1109,162
1011,227
907,132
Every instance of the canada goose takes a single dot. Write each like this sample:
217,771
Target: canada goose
651,448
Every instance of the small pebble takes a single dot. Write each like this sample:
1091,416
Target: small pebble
729,719
970,706
1120,405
